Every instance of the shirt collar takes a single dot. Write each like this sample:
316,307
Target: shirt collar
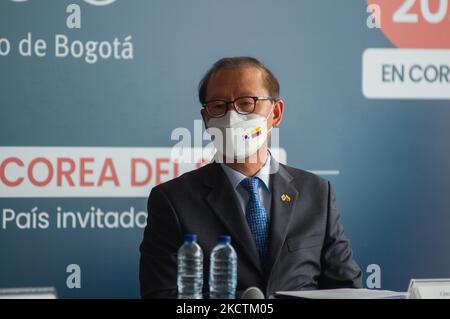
236,177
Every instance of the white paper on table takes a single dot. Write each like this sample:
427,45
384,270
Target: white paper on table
345,293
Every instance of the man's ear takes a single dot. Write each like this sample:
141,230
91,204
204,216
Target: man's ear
278,110
204,117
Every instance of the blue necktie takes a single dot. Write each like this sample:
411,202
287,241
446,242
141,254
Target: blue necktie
256,215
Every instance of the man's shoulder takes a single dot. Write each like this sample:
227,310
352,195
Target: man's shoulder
189,179
305,177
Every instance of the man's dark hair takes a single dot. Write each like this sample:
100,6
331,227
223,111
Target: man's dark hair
270,81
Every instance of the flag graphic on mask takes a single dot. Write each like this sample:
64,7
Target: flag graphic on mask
253,133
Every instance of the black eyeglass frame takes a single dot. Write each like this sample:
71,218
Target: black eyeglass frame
254,98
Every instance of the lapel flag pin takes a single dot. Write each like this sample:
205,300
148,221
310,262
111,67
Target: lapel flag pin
285,198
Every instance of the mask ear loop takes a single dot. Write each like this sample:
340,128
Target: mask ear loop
268,132
271,111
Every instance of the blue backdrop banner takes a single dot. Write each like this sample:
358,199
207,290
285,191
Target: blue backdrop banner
99,97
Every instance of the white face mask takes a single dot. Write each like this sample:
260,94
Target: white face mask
244,134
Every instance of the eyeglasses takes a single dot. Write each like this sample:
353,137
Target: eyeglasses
243,105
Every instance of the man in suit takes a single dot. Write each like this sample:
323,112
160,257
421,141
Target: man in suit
283,221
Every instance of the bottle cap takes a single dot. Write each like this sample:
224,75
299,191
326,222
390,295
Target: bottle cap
224,239
190,238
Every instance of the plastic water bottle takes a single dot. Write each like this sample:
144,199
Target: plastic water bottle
190,269
223,270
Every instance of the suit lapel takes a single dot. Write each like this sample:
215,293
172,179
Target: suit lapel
284,197
223,201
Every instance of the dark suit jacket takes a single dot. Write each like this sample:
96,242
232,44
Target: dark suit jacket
307,245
